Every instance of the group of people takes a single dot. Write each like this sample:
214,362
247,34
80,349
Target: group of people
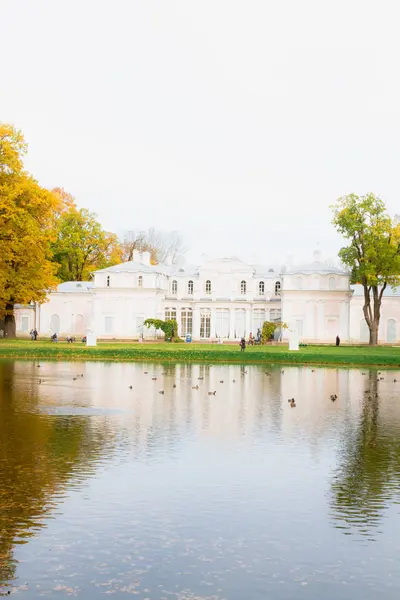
34,334
252,340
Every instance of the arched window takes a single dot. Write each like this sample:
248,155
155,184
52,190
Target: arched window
186,321
190,287
108,281
174,287
140,281
261,288
243,287
332,283
277,288
205,323
299,283
208,286
391,333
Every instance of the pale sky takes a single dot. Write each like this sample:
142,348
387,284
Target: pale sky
237,123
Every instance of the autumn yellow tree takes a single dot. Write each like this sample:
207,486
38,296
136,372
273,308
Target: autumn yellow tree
82,246
26,232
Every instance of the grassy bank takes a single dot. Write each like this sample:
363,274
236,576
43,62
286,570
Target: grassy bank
164,352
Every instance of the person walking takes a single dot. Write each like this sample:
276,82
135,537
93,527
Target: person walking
242,344
31,334
337,340
35,334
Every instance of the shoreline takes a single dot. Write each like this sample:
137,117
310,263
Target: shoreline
344,356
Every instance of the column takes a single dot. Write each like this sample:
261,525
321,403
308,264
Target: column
249,324
213,322
344,320
196,323
232,323
95,323
321,321
309,329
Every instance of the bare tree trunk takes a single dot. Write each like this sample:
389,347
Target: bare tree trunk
9,322
372,314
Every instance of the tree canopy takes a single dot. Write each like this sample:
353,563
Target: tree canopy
82,246
373,251
26,232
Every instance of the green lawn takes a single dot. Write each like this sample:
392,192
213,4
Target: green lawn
164,352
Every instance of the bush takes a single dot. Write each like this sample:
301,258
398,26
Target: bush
169,327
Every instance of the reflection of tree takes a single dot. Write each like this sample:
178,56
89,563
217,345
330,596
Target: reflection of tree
39,455
369,477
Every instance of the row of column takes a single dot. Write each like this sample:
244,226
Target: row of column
233,326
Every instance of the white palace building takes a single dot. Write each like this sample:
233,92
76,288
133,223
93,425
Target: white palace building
224,298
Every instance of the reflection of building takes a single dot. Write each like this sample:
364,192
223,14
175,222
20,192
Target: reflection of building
223,298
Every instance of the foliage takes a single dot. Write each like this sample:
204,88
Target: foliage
26,231
169,327
269,328
373,252
161,245
82,246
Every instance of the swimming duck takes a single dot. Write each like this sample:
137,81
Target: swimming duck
222,381
146,372
394,380
291,400
154,378
130,387
200,378
161,392
292,404
174,386
195,387
333,397
234,381
212,393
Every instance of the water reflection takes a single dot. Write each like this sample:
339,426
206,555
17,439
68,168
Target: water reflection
121,489
367,481
39,458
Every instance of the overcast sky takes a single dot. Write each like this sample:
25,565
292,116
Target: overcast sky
238,123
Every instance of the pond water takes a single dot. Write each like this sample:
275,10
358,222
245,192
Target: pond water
108,486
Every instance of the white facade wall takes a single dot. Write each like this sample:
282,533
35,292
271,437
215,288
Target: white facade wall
224,299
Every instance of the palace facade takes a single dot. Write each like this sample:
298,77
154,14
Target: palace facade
224,298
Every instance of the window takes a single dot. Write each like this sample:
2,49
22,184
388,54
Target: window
108,324
243,287
391,333
170,314
299,283
205,323
186,321
208,286
258,320
332,283
261,288
140,281
108,281
190,287
222,323
277,288
174,288
24,323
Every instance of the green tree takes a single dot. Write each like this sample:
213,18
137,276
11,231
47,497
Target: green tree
82,246
26,232
373,252
269,328
169,327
